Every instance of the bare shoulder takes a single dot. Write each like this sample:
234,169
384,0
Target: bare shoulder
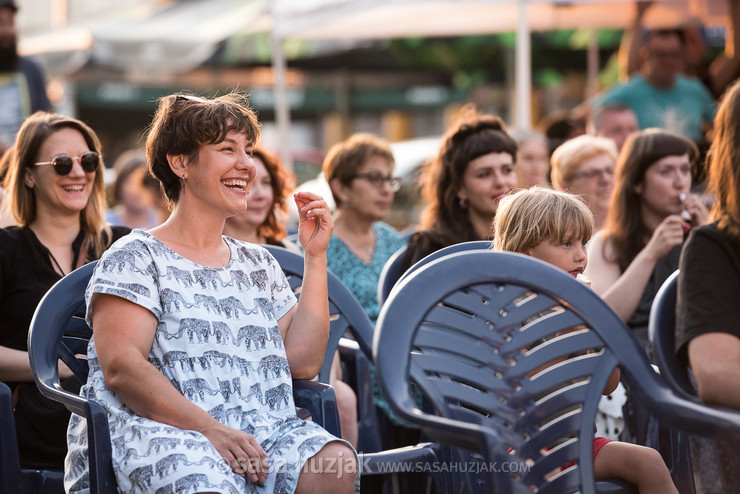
599,247
602,271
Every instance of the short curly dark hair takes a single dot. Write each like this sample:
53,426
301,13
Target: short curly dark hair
184,123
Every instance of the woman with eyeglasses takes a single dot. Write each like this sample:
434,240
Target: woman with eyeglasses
474,169
56,194
584,166
360,174
359,171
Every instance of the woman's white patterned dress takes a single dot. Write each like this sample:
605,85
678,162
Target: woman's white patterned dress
219,344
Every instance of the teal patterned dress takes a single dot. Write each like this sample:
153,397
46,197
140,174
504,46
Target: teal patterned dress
361,278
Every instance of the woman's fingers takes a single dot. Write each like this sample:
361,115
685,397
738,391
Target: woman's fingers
241,451
313,208
251,459
698,210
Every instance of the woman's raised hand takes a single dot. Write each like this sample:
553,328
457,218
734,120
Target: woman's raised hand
698,211
668,235
315,223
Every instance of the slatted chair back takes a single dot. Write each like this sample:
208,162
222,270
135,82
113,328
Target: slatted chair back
391,274
59,331
513,355
346,313
662,334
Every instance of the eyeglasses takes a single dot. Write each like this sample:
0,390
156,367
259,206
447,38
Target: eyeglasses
593,174
63,164
379,180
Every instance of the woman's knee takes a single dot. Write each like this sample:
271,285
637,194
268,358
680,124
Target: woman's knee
332,470
346,398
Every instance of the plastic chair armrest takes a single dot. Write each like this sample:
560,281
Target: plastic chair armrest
319,399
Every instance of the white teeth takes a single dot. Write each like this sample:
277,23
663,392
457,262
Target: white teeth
235,183
74,188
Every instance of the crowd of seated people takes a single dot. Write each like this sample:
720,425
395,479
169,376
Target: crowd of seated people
217,192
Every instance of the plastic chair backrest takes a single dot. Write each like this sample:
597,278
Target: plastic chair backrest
389,275
662,334
513,355
393,275
346,313
13,478
59,331
445,251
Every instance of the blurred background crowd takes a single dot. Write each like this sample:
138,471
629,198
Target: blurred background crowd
107,62
412,120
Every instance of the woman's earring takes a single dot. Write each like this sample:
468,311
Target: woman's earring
183,182
463,203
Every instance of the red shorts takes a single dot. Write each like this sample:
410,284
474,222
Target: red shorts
599,443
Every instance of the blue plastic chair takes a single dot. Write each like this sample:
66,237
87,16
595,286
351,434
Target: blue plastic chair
13,478
391,275
59,331
347,315
513,355
662,335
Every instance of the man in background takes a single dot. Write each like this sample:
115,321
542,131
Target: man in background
22,85
615,122
660,95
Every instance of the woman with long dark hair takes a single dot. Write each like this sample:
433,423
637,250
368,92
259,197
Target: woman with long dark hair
651,210
463,184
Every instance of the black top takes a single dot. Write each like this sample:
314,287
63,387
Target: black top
638,323
708,287
26,273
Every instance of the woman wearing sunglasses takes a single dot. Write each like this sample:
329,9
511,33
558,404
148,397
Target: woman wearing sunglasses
55,191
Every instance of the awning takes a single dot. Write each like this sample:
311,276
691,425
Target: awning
337,19
177,38
154,36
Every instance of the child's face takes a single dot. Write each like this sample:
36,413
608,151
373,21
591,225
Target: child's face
569,255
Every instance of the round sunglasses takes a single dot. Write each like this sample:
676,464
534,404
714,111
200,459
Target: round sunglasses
63,164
